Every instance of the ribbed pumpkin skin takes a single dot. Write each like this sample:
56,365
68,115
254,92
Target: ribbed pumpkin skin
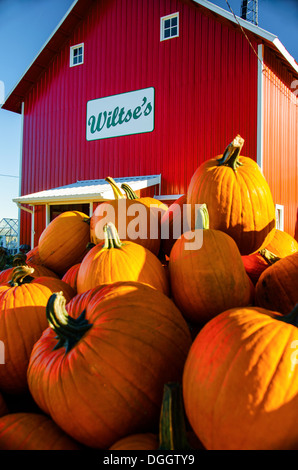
131,262
32,257
239,202
121,212
63,242
208,280
277,287
148,441
111,383
22,321
240,390
282,244
5,276
32,431
254,265
71,276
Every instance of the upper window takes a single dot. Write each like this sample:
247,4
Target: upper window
76,55
169,26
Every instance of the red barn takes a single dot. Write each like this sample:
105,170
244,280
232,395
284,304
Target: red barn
145,91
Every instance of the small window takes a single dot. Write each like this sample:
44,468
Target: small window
169,26
76,55
279,209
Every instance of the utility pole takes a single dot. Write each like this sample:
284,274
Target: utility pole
249,11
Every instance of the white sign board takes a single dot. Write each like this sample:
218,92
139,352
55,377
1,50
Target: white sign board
123,114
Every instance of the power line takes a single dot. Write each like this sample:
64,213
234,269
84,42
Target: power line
9,176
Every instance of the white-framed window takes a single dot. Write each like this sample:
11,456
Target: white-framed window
76,56
169,26
279,211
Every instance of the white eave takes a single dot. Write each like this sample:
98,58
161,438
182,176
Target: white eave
262,33
86,191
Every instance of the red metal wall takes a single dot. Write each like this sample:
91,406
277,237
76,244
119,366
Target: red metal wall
280,137
205,93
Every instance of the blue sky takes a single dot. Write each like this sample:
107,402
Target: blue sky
25,26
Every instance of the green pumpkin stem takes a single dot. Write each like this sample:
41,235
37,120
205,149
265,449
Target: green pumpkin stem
231,154
130,194
69,330
268,256
90,245
172,430
291,318
19,260
111,237
202,220
116,190
21,275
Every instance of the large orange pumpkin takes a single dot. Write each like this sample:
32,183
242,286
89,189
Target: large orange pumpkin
208,279
32,257
63,242
120,261
109,361
282,245
22,321
71,276
238,198
240,381
33,431
277,287
133,218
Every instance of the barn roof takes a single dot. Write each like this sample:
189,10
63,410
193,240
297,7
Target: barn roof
86,191
75,15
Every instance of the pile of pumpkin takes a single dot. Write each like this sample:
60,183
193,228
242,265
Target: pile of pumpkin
99,332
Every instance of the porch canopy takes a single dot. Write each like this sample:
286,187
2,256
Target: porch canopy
86,191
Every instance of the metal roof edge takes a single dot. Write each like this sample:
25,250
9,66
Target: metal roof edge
40,50
47,197
272,38
285,53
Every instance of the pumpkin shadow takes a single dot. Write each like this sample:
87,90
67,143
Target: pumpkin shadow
251,241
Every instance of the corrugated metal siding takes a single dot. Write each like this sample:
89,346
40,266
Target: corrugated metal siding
205,93
280,137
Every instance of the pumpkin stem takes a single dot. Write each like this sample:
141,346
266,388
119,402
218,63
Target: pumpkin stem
172,431
90,245
130,194
202,220
268,256
291,317
69,330
231,154
111,237
19,259
117,193
21,275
